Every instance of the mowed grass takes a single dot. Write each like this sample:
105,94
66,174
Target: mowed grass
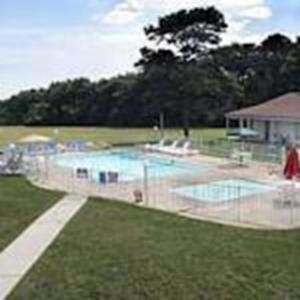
101,136
116,251
20,205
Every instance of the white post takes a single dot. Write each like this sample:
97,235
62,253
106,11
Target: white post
239,203
249,123
146,187
241,123
162,124
46,167
283,157
292,201
227,125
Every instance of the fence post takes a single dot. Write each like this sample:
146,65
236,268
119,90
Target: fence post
72,180
293,199
146,182
239,203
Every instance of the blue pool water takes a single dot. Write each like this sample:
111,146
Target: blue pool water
223,190
129,164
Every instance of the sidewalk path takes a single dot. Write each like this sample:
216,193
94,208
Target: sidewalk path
23,253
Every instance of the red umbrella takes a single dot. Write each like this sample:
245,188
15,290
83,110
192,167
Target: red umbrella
292,166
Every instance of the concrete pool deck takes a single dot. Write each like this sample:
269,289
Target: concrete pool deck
277,209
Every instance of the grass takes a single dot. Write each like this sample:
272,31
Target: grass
20,204
116,251
101,136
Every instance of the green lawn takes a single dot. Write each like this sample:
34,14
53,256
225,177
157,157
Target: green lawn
117,251
20,204
101,136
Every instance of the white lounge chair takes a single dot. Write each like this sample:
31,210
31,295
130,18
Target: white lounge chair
171,148
181,144
12,165
154,146
159,146
184,149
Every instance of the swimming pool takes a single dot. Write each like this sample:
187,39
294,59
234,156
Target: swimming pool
129,164
223,190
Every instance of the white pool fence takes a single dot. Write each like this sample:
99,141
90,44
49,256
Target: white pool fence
278,208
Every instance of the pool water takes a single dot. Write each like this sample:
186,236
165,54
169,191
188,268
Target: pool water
129,164
224,190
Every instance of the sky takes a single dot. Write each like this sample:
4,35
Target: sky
45,41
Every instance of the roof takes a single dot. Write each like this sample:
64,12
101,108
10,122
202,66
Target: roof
283,107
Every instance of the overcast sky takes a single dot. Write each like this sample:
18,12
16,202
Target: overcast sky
44,41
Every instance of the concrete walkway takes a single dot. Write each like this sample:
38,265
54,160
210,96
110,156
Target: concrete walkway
23,253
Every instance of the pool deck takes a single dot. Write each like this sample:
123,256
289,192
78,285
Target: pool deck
276,209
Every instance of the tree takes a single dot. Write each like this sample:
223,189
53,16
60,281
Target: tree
276,44
193,80
187,36
268,81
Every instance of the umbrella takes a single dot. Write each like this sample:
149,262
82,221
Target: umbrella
34,138
292,166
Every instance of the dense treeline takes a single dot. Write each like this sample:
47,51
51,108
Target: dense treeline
188,76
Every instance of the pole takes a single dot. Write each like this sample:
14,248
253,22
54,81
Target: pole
239,203
227,126
47,167
162,124
146,187
292,201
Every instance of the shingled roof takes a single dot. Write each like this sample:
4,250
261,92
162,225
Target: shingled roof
283,107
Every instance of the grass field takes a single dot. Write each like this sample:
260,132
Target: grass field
20,204
116,251
100,136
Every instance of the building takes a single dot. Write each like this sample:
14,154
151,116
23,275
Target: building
275,121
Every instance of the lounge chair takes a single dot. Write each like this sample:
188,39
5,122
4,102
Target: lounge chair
76,146
3,167
157,147
154,146
11,166
169,149
178,147
185,149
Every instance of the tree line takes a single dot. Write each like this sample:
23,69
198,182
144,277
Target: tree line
188,75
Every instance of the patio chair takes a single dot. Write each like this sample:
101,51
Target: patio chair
159,146
242,158
184,149
154,146
3,167
14,164
168,149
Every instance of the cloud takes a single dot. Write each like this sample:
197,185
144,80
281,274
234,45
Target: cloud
240,14
123,13
64,53
128,10
259,12
34,57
